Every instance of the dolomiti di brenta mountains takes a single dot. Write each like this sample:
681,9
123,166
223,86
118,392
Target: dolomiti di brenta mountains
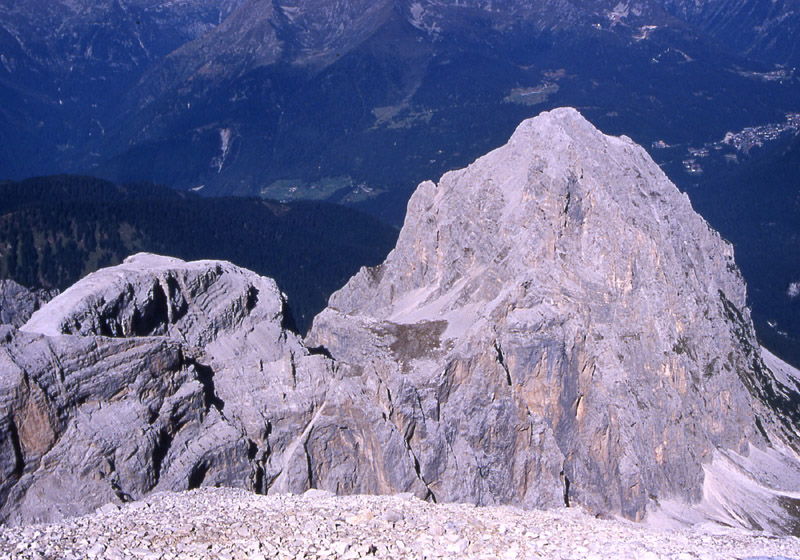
358,101
555,326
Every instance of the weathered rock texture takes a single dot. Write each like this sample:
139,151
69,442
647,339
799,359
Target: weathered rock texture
156,374
92,420
223,523
557,324
17,303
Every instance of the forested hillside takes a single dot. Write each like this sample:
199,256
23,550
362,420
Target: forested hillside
54,230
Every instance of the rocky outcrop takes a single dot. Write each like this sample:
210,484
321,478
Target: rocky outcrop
18,303
557,325
155,374
159,374
149,295
91,420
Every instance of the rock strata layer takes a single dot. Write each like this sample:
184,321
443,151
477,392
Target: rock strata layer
153,375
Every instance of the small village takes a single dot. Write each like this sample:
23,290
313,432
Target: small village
735,143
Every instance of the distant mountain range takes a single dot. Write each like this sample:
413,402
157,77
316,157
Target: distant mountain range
766,31
55,230
348,100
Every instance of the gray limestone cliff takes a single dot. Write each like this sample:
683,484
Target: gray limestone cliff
556,326
153,375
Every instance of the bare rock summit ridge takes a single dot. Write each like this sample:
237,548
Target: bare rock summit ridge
557,324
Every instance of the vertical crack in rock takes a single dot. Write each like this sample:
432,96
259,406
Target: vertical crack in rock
205,375
19,458
502,362
153,314
161,446
407,437
565,480
197,475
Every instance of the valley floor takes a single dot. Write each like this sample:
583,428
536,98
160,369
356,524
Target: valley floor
225,523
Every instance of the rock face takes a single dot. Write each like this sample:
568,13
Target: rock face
156,374
90,420
149,295
555,326
18,303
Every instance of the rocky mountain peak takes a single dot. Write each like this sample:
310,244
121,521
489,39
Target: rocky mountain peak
555,326
560,201
562,286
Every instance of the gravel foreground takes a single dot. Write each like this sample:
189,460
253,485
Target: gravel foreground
224,523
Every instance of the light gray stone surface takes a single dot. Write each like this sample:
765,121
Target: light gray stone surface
155,374
233,524
556,323
151,295
90,420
